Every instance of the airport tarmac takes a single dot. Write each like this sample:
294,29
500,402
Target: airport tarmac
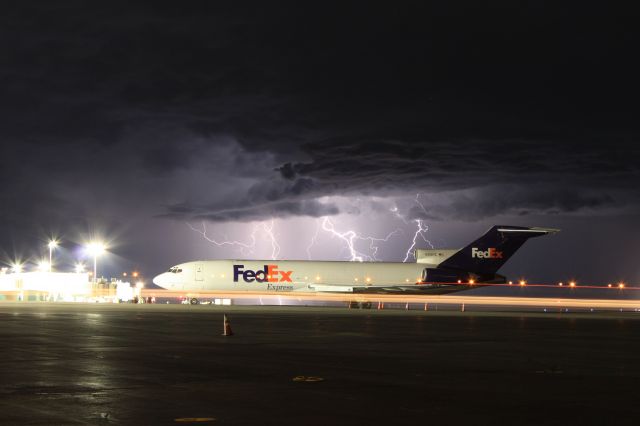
169,364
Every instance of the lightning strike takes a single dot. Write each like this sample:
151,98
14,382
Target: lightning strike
421,229
313,240
419,233
275,247
350,238
245,248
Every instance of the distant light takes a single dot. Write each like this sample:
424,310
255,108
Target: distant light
16,268
510,282
459,281
96,248
368,279
572,284
471,282
407,280
52,244
609,285
139,284
522,282
124,274
318,278
222,276
621,285
560,284
355,279
134,274
79,268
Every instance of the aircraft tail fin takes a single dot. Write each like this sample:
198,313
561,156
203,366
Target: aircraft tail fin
491,251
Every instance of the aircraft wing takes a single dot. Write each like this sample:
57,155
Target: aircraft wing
414,288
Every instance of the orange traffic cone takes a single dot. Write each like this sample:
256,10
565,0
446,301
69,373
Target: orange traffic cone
227,327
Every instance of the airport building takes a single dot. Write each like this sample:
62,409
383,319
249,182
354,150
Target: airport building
61,287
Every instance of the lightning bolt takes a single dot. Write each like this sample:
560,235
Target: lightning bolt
421,229
350,237
275,247
313,240
419,233
245,248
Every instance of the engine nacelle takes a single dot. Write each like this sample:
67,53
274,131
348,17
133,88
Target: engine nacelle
442,275
438,275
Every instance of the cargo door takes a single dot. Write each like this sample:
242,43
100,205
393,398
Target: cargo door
199,272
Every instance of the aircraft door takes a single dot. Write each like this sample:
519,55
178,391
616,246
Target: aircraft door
199,272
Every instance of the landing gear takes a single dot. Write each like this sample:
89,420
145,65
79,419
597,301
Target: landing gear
359,305
194,301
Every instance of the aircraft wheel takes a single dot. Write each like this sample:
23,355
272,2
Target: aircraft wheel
194,301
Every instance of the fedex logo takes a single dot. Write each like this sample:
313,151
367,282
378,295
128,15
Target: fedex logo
270,274
490,253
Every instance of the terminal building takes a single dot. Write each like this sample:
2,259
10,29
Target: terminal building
61,287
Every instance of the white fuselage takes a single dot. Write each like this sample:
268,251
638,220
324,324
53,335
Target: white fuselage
287,275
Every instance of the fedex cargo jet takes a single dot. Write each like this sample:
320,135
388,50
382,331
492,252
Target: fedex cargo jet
435,271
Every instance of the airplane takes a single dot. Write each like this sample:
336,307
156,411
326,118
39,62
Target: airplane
435,271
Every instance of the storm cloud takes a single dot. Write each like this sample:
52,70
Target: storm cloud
246,112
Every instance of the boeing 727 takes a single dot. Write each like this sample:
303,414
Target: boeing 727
435,271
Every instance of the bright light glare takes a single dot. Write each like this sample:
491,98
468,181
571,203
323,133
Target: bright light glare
43,266
522,282
139,284
79,268
16,268
572,284
96,248
52,244
621,285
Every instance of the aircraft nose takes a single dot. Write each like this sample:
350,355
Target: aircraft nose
159,280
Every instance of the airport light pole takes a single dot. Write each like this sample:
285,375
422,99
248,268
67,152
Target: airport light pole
52,245
95,249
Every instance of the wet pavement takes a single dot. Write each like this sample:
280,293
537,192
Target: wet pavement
169,364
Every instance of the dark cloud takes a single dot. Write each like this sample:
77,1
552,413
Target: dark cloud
280,209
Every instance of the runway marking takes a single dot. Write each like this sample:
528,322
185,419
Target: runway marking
307,379
194,419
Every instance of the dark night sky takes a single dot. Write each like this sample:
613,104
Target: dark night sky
128,122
